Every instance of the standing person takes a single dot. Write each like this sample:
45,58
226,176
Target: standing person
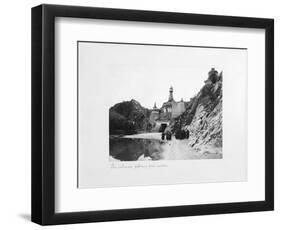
168,136
163,136
187,134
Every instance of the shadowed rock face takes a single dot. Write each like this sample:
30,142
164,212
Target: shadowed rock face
128,117
203,116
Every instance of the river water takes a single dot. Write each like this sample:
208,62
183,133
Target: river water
127,149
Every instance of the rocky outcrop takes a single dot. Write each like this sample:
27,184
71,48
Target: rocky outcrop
203,115
128,117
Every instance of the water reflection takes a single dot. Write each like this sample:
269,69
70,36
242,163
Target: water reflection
126,149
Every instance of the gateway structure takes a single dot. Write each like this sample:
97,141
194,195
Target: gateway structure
169,110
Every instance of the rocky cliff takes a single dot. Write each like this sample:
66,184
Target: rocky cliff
203,116
128,117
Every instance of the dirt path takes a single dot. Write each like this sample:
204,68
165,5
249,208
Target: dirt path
179,150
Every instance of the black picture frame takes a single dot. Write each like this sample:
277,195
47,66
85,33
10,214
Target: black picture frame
43,114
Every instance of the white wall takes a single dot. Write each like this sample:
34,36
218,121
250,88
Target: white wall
15,113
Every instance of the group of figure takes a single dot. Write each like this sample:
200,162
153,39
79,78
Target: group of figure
182,134
167,134
179,134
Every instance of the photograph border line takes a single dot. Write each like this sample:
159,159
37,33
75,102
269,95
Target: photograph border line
152,44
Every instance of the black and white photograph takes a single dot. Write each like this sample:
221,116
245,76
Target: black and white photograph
177,129
160,107
166,101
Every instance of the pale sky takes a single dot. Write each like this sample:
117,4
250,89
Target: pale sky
121,72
